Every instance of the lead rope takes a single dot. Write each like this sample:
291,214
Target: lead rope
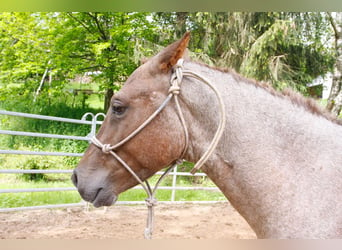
151,201
174,90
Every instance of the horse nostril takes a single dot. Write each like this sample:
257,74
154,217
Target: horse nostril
74,178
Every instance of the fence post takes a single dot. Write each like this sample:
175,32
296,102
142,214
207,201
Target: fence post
91,134
95,120
92,127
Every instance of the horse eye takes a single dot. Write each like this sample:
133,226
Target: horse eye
118,109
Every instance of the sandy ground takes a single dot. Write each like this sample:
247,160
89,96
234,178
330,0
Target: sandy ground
179,221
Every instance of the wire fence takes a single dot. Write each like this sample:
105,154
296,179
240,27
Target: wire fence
93,123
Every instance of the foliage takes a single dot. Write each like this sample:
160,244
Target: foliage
104,42
280,47
67,44
22,47
294,61
35,164
286,49
334,103
51,104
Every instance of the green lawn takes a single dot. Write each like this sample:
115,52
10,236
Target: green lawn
8,200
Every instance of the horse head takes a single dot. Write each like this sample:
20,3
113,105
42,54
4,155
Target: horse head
100,177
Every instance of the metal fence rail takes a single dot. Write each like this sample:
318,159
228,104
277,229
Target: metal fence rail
93,124
22,152
53,118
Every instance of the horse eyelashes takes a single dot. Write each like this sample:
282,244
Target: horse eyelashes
118,110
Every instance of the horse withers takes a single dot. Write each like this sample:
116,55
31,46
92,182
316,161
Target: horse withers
278,159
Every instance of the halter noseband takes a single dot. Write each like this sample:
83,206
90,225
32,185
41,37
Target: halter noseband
174,90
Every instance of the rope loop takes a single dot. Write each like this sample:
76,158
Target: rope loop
179,63
179,74
176,78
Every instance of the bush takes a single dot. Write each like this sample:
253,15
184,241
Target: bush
30,162
51,102
35,164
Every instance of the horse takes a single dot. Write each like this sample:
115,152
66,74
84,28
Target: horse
276,156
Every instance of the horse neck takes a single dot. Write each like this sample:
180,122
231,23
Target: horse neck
267,140
253,116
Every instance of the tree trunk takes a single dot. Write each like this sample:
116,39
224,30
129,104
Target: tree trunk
335,98
42,81
108,97
338,102
109,91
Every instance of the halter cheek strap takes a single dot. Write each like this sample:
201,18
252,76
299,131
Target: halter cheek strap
174,91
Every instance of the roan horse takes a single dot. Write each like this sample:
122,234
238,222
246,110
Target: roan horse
278,161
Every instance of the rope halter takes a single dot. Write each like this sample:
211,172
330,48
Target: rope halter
176,78
174,91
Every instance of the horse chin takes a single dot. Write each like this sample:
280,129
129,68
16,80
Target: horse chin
105,199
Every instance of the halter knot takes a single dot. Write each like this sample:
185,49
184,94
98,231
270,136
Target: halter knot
106,148
174,89
151,201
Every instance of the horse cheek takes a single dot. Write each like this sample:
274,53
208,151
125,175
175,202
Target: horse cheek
160,150
167,148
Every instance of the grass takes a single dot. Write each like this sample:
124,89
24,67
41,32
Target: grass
38,199
8,200
16,181
20,181
95,101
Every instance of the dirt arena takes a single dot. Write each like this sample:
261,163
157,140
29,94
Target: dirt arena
179,221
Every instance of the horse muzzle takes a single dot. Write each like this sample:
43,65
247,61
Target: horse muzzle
95,189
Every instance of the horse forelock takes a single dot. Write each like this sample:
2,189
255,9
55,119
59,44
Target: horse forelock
295,98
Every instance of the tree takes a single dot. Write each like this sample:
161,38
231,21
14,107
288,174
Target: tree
286,49
24,46
335,98
105,43
67,44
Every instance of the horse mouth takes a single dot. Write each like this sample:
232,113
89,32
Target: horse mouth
104,198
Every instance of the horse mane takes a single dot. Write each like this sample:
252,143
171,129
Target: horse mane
295,98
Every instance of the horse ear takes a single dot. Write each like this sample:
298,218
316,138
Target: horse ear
172,53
